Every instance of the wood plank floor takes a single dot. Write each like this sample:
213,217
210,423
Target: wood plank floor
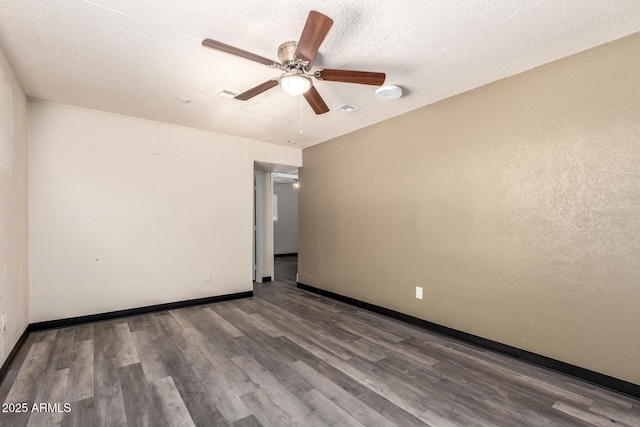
287,357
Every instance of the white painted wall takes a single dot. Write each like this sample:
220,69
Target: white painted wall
285,230
14,291
127,213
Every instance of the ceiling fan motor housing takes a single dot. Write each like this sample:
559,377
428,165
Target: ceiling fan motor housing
287,57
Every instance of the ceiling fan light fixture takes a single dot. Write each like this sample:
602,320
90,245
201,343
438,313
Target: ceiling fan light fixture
295,84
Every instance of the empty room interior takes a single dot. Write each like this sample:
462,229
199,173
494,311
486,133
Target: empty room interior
273,213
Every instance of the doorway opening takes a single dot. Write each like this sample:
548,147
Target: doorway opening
275,222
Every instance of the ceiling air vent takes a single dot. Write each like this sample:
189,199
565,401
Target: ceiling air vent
227,93
346,108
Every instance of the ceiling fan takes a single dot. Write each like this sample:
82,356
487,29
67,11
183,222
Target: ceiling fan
295,61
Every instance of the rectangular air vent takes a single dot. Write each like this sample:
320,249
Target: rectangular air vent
346,108
227,93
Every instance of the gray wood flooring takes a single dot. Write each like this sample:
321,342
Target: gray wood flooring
287,357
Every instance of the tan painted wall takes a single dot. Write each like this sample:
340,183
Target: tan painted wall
516,206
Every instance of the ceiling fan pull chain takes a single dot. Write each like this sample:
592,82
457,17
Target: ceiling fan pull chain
301,131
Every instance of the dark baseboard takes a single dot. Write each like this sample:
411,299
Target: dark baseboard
266,279
72,321
7,363
291,254
601,380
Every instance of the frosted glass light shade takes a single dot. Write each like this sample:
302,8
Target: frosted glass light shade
295,84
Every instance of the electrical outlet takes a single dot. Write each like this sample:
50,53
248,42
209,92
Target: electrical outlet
297,278
418,292
208,277
4,323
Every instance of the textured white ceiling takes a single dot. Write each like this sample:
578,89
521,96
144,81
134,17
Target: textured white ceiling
138,57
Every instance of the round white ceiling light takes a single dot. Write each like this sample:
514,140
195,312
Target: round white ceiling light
295,84
388,92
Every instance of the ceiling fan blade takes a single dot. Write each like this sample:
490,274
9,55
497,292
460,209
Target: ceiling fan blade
213,44
315,100
313,34
350,76
257,90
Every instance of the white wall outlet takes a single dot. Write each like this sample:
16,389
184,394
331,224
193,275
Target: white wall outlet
4,323
418,292
208,277
297,278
